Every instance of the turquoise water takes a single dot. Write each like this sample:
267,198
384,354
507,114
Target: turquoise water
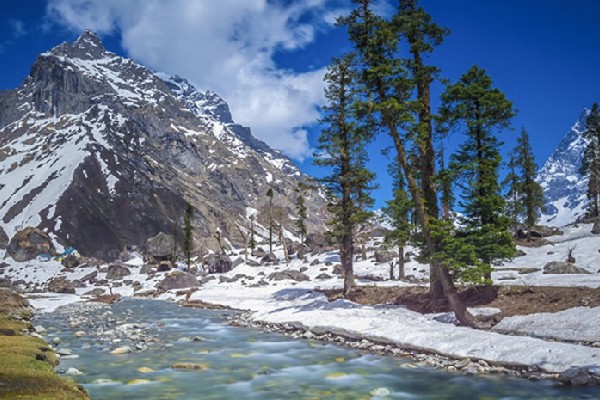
242,363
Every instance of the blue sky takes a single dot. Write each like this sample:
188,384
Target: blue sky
266,58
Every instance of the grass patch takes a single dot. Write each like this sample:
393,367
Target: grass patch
27,364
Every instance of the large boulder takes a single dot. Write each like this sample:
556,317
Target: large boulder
560,267
383,256
218,263
116,272
288,274
269,258
317,242
28,243
595,228
178,280
160,247
60,284
70,261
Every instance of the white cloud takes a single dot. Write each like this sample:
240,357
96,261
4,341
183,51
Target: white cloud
226,46
18,28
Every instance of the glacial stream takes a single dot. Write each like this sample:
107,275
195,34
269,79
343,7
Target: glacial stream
243,363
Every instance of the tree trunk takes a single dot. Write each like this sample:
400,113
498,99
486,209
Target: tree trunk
401,274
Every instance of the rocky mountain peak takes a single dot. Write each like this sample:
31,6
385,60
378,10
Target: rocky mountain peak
564,187
87,47
102,153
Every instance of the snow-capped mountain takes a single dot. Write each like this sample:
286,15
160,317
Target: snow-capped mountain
103,153
564,187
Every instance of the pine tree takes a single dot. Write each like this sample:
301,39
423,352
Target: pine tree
341,146
270,196
252,242
390,83
532,196
475,107
301,227
398,212
590,165
512,188
188,232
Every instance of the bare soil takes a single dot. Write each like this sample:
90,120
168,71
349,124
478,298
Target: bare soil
512,300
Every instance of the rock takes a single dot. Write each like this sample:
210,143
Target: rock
56,341
520,253
73,371
258,252
218,263
121,350
315,262
146,269
383,256
64,352
79,334
70,261
462,363
160,247
269,258
323,276
190,366
145,370
28,243
117,272
178,280
380,392
575,376
236,262
40,329
91,277
139,382
288,274
338,270
206,279
60,284
164,266
317,242
560,267
596,228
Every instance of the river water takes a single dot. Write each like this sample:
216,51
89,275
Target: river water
244,363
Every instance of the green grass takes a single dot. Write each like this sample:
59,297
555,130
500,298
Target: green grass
27,365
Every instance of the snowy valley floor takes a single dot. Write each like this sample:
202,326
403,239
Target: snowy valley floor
553,342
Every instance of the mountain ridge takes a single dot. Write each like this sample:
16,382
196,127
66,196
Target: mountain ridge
103,153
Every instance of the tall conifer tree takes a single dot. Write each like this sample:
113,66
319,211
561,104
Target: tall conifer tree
590,165
531,192
342,149
399,90
475,107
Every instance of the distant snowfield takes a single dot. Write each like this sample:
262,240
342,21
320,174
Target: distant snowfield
528,340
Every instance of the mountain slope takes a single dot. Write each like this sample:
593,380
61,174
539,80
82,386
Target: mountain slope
564,187
103,153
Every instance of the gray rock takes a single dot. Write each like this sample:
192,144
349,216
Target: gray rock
288,274
269,258
116,272
178,280
315,262
596,228
61,285
160,247
560,267
146,269
28,243
4,240
323,277
258,252
575,376
91,277
218,263
70,261
382,256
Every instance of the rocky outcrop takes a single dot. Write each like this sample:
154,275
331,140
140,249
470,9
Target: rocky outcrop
160,247
178,280
117,272
61,285
560,267
4,240
382,256
28,243
288,274
218,263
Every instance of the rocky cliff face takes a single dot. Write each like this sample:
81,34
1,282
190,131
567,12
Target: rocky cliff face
564,187
102,153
